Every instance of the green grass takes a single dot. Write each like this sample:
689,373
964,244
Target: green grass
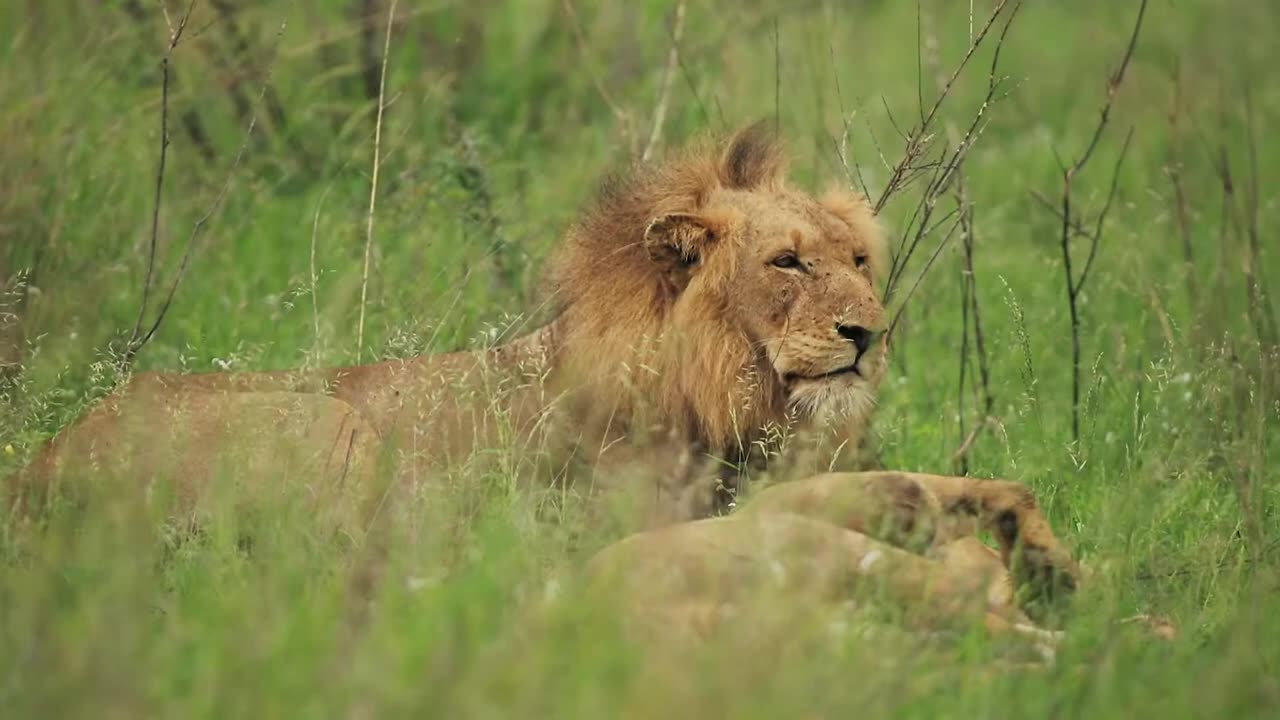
1169,496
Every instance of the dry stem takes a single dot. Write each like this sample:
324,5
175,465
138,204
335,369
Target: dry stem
373,185
673,61
1071,226
175,36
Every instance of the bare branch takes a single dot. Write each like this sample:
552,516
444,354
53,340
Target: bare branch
918,137
623,118
315,300
693,90
852,170
928,264
175,36
971,322
673,60
1052,206
1071,226
373,184
941,170
1102,215
137,342
1260,310
1113,84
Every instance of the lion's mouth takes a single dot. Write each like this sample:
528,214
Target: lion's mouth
850,369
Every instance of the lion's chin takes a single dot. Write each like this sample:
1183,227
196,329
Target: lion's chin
842,397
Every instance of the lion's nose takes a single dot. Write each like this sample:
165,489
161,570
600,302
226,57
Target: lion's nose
860,337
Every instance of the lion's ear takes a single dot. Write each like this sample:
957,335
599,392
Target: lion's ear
677,240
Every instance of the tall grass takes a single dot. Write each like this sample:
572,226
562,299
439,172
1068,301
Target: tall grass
495,131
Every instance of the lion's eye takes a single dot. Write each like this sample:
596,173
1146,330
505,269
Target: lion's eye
786,261
860,261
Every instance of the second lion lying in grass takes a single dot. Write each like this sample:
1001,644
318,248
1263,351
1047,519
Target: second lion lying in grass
833,538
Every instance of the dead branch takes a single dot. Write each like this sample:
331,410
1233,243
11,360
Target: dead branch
242,48
191,121
852,170
693,90
971,324
1113,84
623,118
175,36
664,95
939,169
918,140
1071,226
314,276
138,339
367,14
1052,206
373,184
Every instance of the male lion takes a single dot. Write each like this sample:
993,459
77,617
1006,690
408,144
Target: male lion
702,309
702,304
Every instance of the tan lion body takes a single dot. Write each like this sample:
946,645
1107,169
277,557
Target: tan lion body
814,545
673,331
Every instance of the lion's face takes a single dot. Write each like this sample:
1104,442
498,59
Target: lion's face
795,276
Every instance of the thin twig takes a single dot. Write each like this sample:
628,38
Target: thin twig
175,36
373,184
852,169
1071,227
623,118
971,318
693,90
187,253
673,61
315,301
928,264
1113,84
941,171
918,138
1258,297
1102,215
1052,206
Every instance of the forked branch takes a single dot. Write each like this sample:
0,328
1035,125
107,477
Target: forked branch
136,340
139,337
1074,224
939,169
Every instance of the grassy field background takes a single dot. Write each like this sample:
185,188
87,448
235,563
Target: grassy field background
501,116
